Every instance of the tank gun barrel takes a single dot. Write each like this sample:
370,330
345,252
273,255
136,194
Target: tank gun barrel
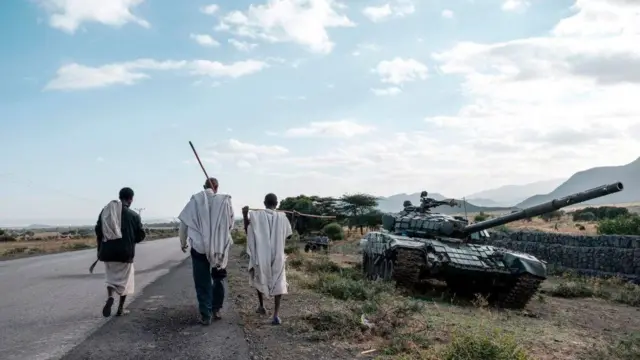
546,207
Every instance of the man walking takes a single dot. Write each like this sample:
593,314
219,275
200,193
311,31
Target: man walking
267,231
206,221
118,231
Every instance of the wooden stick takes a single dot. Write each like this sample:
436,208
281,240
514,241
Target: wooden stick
93,266
303,214
201,166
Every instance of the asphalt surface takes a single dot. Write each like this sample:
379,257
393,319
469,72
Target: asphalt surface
163,325
50,303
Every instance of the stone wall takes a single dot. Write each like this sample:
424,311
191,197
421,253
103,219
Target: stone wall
603,255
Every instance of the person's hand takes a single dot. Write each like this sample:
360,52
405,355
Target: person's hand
184,248
245,210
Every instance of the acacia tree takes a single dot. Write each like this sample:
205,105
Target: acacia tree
355,206
313,205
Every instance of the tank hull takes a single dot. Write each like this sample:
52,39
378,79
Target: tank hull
509,279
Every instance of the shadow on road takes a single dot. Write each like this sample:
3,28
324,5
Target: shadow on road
164,266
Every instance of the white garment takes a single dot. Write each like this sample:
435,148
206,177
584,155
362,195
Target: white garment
209,219
266,235
120,276
111,219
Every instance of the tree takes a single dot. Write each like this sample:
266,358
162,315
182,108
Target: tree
313,205
355,206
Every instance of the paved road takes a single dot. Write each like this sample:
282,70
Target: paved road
163,325
50,303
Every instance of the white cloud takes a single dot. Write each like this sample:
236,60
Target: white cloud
242,45
303,23
393,9
515,5
398,70
75,76
389,91
360,48
69,15
334,129
447,14
204,39
236,151
233,70
209,9
285,98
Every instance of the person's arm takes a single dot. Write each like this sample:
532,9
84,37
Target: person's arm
245,218
232,214
140,233
287,229
182,233
99,233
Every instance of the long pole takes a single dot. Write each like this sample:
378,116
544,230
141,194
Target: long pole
201,166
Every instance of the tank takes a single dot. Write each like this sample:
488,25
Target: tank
418,244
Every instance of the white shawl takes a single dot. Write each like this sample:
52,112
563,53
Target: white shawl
266,235
208,216
111,218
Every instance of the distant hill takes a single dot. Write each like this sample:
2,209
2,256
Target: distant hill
394,204
628,174
509,195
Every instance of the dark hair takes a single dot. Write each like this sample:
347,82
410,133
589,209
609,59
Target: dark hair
211,180
270,200
126,193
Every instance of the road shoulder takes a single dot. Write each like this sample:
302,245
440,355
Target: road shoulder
163,324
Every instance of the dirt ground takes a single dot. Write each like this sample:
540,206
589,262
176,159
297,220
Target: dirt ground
376,320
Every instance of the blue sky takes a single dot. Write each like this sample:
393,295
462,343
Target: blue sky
377,96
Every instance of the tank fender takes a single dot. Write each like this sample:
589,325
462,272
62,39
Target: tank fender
525,264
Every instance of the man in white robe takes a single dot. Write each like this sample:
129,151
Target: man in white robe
206,221
118,230
267,231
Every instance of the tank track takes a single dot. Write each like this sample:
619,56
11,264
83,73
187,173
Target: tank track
518,296
406,268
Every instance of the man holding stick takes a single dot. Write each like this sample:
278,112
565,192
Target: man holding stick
267,231
207,221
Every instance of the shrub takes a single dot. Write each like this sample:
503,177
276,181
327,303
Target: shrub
572,289
599,213
239,237
480,217
621,225
333,231
557,214
585,216
484,346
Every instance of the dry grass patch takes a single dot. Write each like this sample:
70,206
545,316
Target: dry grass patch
614,289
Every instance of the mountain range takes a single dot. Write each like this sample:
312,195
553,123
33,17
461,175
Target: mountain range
510,197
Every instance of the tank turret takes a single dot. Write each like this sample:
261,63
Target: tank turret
422,223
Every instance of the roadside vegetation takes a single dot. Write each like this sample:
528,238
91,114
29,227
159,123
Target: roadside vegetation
22,242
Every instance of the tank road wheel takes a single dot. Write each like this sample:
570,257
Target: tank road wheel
388,269
518,295
406,269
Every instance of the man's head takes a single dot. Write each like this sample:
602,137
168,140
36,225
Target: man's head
211,182
270,201
126,196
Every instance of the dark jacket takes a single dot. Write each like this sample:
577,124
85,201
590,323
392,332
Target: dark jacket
121,250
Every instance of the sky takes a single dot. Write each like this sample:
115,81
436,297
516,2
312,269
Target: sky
297,97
